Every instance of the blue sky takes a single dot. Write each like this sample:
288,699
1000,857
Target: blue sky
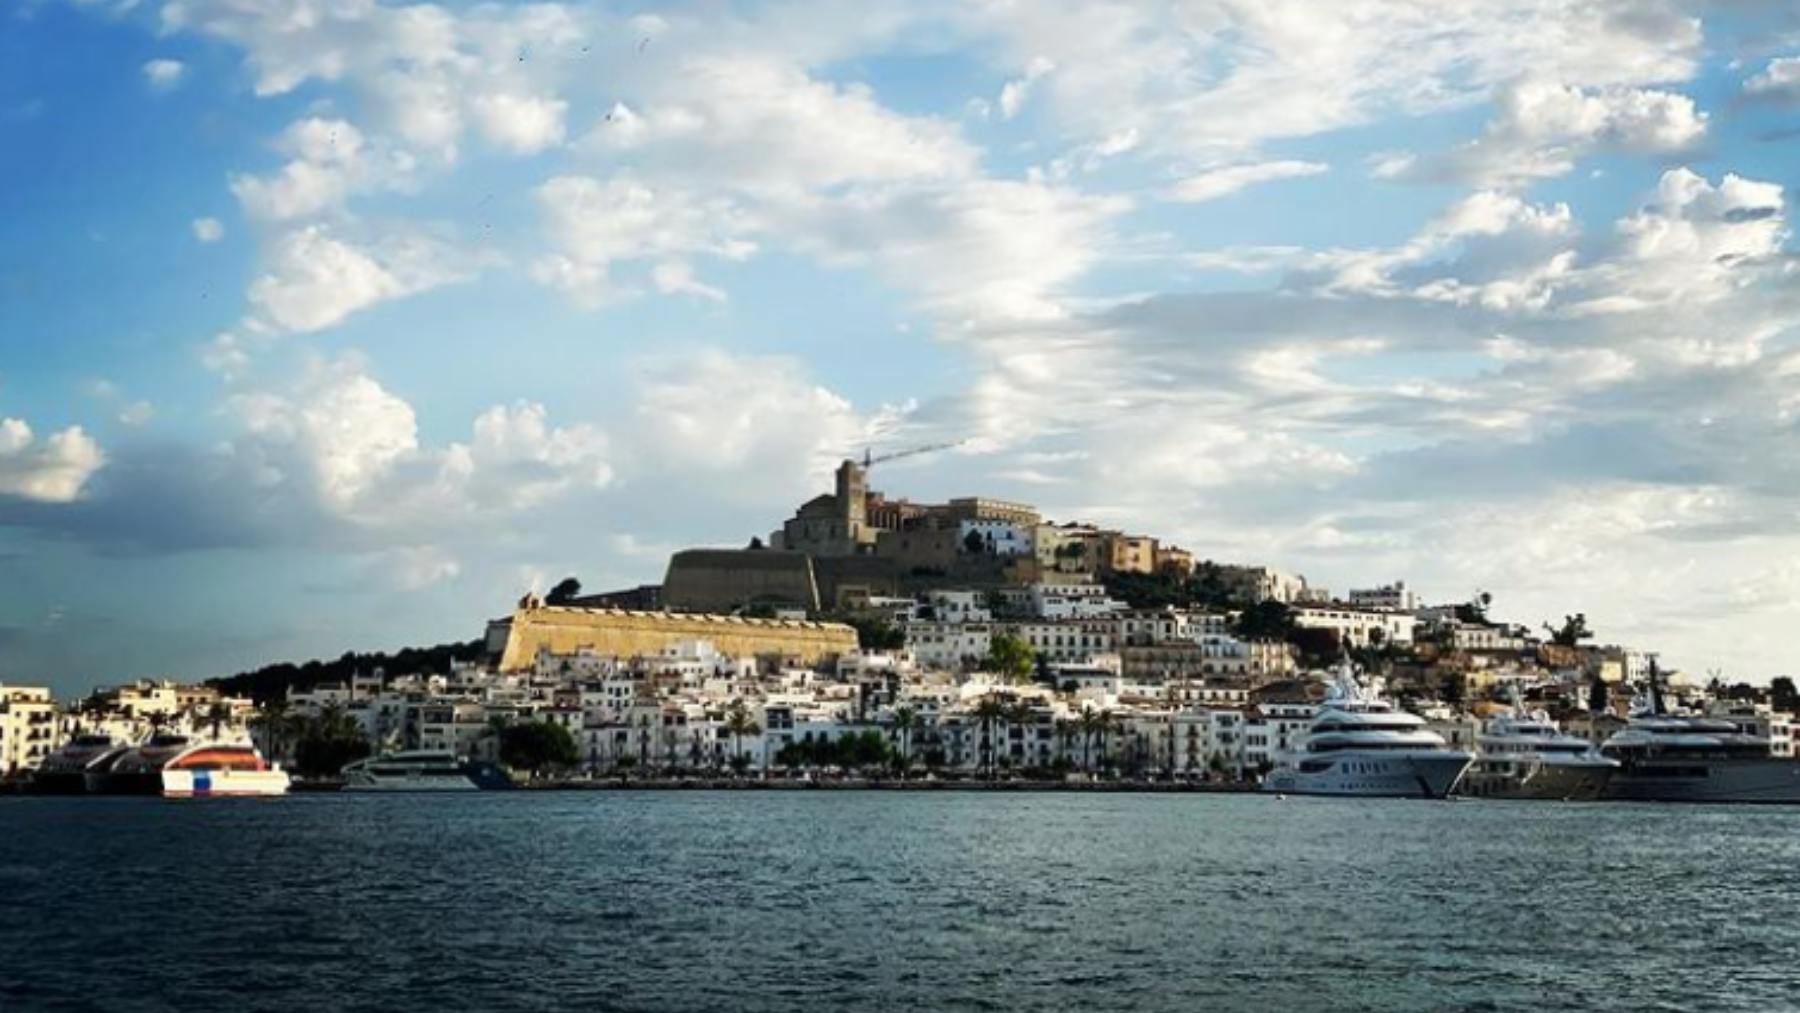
330,326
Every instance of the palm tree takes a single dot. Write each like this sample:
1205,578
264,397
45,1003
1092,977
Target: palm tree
905,720
739,723
1065,735
1019,715
217,715
273,721
1090,723
989,712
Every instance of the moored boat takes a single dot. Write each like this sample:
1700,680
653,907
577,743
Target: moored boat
428,770
188,766
1524,755
69,770
1361,745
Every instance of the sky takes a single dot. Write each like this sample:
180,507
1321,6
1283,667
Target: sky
338,324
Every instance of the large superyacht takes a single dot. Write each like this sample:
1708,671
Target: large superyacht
1360,744
1665,757
1523,754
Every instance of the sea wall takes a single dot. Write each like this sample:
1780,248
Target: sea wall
628,634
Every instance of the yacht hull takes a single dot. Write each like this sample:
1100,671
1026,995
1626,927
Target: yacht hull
1375,774
1535,780
401,783
224,783
1771,781
58,782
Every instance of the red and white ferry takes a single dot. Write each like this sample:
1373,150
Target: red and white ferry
189,766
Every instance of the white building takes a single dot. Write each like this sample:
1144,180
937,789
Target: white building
1067,640
1262,583
948,646
998,537
1357,627
959,607
1395,597
1072,601
29,730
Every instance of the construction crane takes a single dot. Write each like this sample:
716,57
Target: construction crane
870,460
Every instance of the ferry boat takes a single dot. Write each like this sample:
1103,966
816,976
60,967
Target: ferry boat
189,766
1689,758
422,770
83,759
1523,754
1359,744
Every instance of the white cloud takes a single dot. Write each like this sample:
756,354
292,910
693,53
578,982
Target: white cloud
163,74
340,437
756,124
713,413
596,223
522,124
1542,129
970,251
208,230
137,413
1215,183
330,160
53,470
1780,79
316,280
1014,93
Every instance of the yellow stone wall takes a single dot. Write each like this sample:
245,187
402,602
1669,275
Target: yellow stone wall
628,634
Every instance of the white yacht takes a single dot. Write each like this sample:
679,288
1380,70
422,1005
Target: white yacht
1523,754
421,770
84,758
1360,744
1667,757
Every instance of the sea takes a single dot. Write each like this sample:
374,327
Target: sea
882,900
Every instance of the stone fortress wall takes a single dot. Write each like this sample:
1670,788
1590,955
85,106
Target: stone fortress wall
629,634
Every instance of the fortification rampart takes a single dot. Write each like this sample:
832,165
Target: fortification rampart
628,634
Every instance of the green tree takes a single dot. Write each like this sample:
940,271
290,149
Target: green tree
1598,695
1020,715
1265,620
537,746
274,719
974,544
739,723
1475,610
1782,695
328,742
877,634
989,712
1011,658
565,590
1572,632
906,721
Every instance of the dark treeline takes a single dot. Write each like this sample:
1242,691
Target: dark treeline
272,681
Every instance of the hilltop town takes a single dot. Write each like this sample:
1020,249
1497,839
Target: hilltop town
970,638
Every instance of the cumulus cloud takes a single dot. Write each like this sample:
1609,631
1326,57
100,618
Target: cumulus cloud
1225,180
1014,93
343,440
523,124
315,279
164,74
208,230
595,223
712,415
329,160
1542,129
54,469
1780,79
